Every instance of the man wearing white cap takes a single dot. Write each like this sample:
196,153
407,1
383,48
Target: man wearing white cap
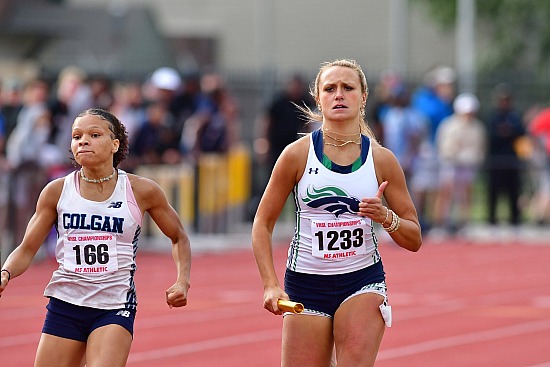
166,78
461,144
165,82
163,88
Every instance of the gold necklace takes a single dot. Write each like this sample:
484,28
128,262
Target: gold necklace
341,141
342,144
341,134
100,180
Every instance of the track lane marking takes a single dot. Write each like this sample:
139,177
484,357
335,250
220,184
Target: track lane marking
205,345
464,339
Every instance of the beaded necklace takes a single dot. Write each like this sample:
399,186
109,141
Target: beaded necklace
100,180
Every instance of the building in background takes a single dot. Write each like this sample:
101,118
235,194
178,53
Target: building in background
45,36
254,43
127,37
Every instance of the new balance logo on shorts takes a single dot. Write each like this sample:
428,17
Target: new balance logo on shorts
123,313
115,204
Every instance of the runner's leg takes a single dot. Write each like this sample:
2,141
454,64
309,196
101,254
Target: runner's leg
54,351
108,345
358,330
307,341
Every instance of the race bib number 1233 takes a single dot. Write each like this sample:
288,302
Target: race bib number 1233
338,239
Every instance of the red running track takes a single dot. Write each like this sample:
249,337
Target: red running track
454,304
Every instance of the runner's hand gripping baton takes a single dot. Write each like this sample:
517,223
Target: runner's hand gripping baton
289,306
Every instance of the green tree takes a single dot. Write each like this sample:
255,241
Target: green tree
518,31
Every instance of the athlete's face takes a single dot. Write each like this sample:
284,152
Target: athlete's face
340,95
92,140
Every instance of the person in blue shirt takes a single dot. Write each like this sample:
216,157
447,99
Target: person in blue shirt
434,100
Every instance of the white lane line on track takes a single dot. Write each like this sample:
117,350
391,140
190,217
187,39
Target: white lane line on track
191,317
253,337
12,341
210,344
470,338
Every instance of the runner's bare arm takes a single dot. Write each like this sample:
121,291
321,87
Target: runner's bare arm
286,172
153,200
37,230
398,199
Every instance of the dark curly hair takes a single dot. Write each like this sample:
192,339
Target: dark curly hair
118,130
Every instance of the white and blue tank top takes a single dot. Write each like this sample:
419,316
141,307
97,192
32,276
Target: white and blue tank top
330,238
96,247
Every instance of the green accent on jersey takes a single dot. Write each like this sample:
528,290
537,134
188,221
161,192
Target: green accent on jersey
314,193
327,162
353,167
357,164
296,238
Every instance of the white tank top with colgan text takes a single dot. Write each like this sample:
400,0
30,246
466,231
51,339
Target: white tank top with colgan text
96,247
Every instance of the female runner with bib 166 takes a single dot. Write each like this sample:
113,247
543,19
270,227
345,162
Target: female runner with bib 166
338,175
97,211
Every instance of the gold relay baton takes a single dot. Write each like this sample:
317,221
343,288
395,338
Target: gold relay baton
289,306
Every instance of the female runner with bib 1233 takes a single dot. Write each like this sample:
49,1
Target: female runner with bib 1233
339,176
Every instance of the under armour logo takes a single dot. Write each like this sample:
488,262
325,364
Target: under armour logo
115,204
311,170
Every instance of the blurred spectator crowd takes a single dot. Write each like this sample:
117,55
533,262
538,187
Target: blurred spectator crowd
170,119
456,160
445,146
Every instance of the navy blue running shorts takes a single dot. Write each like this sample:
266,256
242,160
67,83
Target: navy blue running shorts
74,322
323,294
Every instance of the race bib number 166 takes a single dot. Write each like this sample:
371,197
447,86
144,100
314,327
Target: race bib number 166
90,253
338,239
